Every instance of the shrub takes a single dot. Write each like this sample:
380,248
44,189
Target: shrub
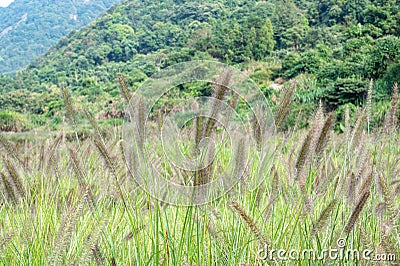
12,121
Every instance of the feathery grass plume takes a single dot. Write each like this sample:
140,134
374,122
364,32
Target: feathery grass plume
9,190
138,114
351,187
5,241
92,245
110,164
323,219
347,123
232,104
52,159
204,175
16,180
324,135
65,232
260,192
250,223
94,124
124,88
56,142
356,212
257,133
317,125
55,165
220,90
362,154
388,198
10,150
275,183
69,106
285,104
365,238
395,105
198,130
306,200
106,156
304,152
82,180
319,118
357,131
366,185
290,164
369,104
240,159
260,126
124,159
302,179
387,246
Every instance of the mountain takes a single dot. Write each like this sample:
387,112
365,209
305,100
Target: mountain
139,37
331,49
29,27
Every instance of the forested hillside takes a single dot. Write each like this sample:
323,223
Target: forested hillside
28,28
331,48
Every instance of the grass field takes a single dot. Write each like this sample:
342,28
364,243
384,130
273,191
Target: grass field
329,195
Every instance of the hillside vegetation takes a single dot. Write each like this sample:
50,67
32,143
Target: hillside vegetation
28,28
74,201
331,48
219,180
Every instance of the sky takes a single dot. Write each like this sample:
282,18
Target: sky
5,3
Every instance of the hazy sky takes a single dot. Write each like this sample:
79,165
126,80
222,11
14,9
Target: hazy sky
5,2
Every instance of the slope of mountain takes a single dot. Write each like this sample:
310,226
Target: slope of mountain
29,27
331,48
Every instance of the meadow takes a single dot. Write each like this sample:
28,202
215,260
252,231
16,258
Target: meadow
322,195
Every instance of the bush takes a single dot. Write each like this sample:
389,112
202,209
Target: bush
12,122
347,90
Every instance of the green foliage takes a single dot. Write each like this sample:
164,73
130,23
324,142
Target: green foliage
386,51
341,44
310,61
391,76
12,121
24,101
29,28
290,25
300,114
345,90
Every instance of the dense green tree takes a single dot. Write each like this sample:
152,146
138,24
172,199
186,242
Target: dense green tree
290,24
29,27
338,44
386,50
